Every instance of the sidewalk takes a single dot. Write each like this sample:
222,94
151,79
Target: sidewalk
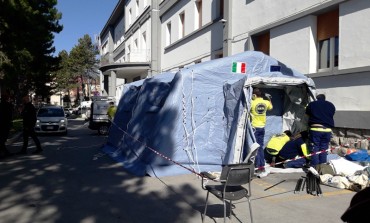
73,181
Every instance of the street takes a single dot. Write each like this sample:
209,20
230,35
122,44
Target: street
73,181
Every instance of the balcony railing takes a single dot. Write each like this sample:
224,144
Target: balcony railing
139,55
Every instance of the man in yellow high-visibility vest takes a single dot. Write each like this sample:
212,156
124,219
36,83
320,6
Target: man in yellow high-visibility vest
274,146
111,111
259,107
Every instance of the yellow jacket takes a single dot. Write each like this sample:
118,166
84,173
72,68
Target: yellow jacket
276,143
259,107
111,112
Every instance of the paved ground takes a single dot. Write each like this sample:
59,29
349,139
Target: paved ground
73,181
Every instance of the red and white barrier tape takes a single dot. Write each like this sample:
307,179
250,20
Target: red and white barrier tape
156,152
198,174
297,158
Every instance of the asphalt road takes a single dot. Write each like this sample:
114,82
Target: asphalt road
73,181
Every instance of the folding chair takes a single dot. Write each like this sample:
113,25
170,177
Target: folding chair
230,186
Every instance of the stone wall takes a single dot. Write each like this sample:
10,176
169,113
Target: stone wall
351,138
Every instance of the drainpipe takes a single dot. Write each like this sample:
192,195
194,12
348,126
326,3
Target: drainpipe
155,40
227,45
112,74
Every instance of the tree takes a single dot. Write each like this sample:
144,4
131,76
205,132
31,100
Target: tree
27,30
64,78
83,62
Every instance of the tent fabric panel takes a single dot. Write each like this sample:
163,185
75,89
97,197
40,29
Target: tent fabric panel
192,117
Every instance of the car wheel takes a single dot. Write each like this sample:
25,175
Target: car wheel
103,130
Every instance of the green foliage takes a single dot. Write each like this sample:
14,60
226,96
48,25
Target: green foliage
83,56
83,62
27,30
64,78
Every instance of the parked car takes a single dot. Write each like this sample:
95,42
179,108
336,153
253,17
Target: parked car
51,119
68,111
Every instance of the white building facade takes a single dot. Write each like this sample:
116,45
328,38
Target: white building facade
328,40
125,46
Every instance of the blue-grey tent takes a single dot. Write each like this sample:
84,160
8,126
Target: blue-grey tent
198,119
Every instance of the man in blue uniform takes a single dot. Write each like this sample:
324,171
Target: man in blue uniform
321,120
295,148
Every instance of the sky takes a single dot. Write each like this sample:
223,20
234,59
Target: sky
80,17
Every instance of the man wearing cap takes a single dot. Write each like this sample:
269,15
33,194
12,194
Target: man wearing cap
320,121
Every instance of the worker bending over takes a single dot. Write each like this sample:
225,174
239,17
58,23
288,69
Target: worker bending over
296,147
274,146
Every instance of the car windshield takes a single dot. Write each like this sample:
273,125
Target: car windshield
50,112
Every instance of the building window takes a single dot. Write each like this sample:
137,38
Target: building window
137,8
328,40
221,9
129,16
144,41
128,53
262,43
182,25
198,14
168,34
135,44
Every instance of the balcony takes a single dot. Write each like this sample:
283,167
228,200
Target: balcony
104,60
139,55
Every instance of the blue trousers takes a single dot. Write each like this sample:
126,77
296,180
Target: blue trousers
259,134
299,163
319,141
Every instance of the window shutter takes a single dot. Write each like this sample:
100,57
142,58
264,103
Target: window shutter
328,25
264,43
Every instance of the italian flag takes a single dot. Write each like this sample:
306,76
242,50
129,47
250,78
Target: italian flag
239,67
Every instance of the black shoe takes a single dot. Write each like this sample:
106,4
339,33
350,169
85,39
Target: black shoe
22,152
37,151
